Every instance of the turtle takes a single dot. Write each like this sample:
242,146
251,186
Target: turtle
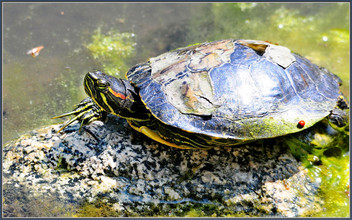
221,93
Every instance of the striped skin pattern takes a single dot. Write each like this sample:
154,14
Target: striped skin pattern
115,96
229,92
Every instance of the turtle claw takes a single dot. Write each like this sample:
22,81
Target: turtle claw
85,112
64,115
68,123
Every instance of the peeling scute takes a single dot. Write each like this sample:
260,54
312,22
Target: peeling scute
184,76
277,54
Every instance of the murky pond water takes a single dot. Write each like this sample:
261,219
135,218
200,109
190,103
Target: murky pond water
36,89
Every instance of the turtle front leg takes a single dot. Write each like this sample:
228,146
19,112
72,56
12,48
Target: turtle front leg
85,112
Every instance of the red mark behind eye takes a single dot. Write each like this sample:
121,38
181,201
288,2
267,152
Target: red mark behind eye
301,124
117,94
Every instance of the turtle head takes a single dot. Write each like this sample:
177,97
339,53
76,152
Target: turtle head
113,95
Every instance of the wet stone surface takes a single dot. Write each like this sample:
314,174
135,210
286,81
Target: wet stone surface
135,176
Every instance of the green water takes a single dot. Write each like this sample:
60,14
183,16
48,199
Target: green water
74,34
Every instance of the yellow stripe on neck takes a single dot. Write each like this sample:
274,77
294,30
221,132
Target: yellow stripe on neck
106,103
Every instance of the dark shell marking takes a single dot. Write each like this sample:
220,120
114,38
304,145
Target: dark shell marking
235,89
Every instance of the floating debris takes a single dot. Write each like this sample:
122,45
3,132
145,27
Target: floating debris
35,51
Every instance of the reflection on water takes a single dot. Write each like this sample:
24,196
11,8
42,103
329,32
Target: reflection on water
36,89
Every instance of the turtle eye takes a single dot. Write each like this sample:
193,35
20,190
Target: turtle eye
102,83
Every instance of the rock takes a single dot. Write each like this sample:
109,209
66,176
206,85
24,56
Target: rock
109,164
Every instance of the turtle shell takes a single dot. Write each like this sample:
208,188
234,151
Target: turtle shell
237,89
